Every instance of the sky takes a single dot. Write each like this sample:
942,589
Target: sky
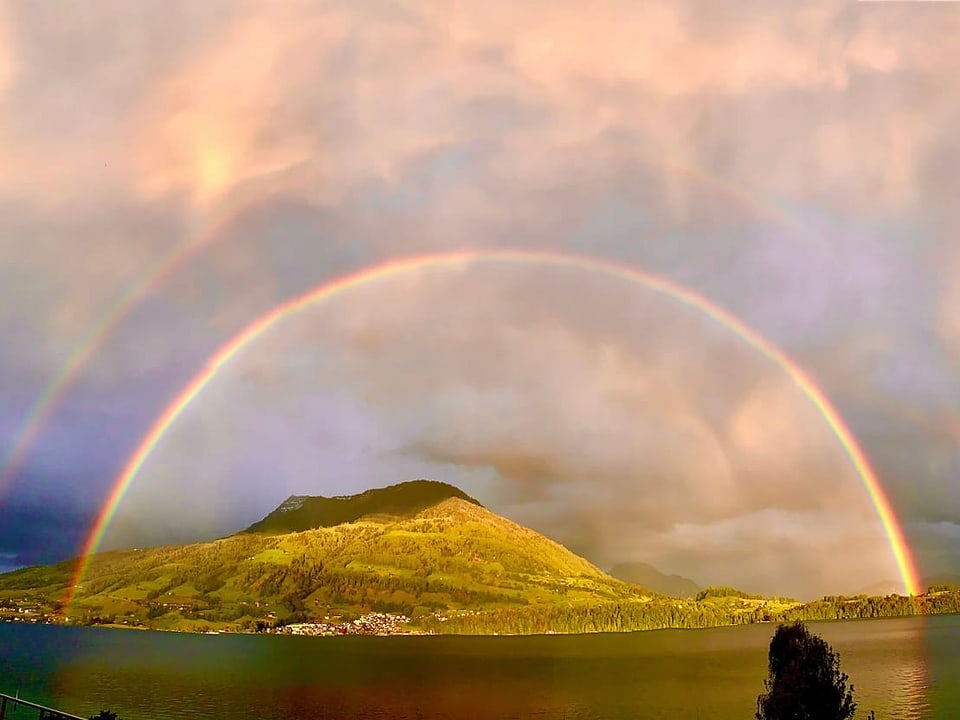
171,171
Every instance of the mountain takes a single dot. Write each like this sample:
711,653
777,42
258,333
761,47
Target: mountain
647,576
306,512
888,587
418,549
882,588
418,556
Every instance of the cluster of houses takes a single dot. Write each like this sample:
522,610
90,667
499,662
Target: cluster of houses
25,611
374,623
444,617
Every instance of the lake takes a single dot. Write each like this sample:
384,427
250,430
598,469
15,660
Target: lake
902,668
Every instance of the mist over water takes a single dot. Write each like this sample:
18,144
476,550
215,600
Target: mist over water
904,669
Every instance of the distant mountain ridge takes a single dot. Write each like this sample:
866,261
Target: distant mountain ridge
308,512
647,576
941,579
887,587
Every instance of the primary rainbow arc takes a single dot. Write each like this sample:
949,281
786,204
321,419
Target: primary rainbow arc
52,395
256,329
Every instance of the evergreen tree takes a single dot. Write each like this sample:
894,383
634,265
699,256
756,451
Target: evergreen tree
805,681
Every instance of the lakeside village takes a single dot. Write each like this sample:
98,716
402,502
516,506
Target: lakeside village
373,623
725,609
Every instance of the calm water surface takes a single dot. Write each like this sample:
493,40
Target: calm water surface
904,668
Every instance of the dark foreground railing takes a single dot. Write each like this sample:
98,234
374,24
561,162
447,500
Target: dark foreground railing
10,704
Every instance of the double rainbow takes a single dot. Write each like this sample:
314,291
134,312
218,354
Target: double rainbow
275,184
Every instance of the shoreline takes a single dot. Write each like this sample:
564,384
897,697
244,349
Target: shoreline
426,633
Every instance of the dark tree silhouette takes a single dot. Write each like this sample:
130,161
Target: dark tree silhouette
805,682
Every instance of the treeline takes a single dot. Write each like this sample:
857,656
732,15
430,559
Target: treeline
665,613
428,602
725,592
863,607
588,618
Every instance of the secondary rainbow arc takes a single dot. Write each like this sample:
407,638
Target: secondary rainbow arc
50,398
154,276
256,329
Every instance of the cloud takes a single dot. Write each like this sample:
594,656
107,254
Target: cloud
25,537
793,164
209,98
205,129
948,310
934,543
621,422
774,552
8,59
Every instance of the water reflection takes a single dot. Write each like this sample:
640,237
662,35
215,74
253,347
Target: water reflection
904,669
888,662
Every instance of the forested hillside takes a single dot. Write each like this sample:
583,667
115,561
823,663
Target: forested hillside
425,554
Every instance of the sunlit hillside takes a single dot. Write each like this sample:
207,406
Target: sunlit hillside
452,555
422,551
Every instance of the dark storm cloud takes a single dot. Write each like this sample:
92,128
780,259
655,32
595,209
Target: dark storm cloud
38,533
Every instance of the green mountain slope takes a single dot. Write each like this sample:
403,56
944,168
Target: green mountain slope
305,512
644,575
452,556
449,565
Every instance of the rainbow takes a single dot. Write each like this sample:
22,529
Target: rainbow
684,295
53,394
